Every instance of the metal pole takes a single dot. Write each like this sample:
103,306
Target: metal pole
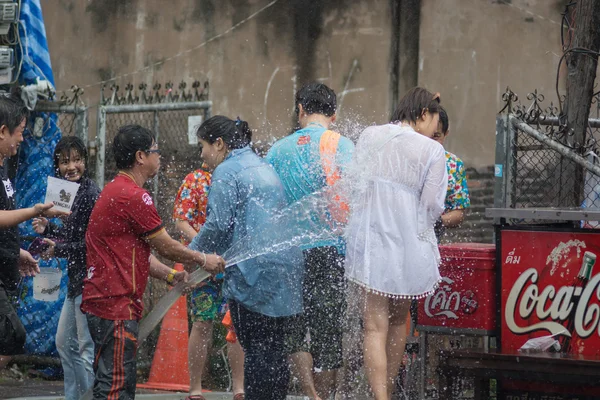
59,108
82,125
156,135
592,122
511,165
423,352
100,146
133,108
554,145
500,167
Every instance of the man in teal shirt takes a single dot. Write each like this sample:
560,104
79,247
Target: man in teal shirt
309,161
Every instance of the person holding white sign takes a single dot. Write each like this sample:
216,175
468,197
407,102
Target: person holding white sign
73,341
14,261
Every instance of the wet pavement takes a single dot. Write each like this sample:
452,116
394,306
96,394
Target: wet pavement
15,383
40,389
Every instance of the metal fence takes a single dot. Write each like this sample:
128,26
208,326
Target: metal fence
537,165
71,112
171,116
66,116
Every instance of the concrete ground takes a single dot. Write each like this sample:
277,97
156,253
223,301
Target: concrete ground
16,385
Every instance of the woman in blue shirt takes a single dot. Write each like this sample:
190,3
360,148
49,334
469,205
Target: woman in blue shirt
264,291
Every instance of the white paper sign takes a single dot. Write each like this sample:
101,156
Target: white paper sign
61,193
194,121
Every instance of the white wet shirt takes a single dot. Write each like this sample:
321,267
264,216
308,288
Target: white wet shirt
399,183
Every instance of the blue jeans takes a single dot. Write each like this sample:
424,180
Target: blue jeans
76,349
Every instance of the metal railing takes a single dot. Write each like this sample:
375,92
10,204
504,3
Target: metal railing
167,115
539,172
71,112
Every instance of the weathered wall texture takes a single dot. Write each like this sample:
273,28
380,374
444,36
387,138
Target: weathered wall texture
470,51
253,71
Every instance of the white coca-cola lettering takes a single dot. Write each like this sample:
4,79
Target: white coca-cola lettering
563,303
587,318
525,297
442,302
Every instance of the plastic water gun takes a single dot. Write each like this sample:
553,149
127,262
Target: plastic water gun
228,323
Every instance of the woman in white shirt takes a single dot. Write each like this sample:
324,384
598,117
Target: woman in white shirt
399,185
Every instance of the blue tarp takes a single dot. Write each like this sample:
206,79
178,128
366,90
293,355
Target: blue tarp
35,165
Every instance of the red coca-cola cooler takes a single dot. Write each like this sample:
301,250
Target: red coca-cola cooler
549,287
465,301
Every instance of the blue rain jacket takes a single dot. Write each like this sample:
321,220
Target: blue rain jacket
244,195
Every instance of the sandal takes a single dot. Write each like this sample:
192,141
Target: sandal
239,396
195,397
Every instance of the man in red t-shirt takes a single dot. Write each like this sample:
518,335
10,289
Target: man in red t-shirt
123,227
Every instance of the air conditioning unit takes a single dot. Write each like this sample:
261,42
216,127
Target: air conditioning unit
8,15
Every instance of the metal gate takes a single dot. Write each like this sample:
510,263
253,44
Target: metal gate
72,116
536,164
172,117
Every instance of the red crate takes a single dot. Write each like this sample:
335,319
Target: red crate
466,297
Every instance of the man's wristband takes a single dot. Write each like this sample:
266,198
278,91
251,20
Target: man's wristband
171,276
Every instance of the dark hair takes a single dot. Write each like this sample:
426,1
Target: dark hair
236,134
414,103
316,98
129,140
12,112
65,145
444,120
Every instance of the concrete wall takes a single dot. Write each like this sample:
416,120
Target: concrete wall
470,51
253,71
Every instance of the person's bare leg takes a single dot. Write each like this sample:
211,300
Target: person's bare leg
376,319
199,343
301,364
325,383
396,339
235,353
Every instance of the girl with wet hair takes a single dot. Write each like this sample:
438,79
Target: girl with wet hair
263,292
398,194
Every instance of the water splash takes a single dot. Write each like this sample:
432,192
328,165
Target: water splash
301,224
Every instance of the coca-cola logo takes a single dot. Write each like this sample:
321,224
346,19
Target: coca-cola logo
447,302
552,306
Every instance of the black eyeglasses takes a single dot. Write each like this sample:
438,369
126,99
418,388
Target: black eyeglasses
157,151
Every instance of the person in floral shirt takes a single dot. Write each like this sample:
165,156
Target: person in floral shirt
190,204
206,302
457,196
